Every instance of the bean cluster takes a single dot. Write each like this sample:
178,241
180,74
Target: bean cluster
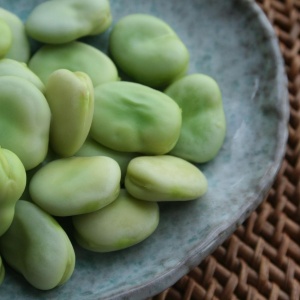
77,140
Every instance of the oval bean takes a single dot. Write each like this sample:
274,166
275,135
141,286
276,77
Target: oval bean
121,224
56,22
203,119
74,56
144,120
148,50
36,246
24,120
20,47
164,178
71,100
76,185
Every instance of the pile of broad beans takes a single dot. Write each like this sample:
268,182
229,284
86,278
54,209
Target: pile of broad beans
79,142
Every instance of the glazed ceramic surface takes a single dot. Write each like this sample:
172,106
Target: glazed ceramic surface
233,42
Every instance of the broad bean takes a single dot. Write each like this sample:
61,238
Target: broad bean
203,118
131,117
76,185
121,224
56,22
148,50
12,185
20,47
5,38
36,246
164,178
71,100
73,56
24,120
11,67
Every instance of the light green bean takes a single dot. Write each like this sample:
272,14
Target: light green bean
71,100
36,246
131,117
203,118
24,120
121,224
20,47
56,22
148,50
76,185
164,178
73,56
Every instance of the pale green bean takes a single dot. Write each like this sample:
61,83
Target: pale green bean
148,50
76,185
121,224
71,100
131,117
36,246
73,56
20,47
164,178
56,22
24,120
203,118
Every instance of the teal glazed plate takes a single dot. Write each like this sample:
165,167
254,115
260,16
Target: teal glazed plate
233,42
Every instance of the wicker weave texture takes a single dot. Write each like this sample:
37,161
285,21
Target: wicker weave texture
261,260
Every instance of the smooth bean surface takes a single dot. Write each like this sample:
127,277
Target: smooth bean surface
74,56
76,185
24,120
70,96
148,50
36,246
121,224
131,117
164,178
203,119
56,22
12,185
20,47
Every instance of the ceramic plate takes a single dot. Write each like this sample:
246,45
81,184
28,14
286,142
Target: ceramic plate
233,42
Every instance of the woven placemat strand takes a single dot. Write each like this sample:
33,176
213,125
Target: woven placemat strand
261,260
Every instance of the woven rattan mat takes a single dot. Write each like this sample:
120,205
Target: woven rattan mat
261,260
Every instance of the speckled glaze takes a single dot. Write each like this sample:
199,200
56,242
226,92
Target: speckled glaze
233,42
